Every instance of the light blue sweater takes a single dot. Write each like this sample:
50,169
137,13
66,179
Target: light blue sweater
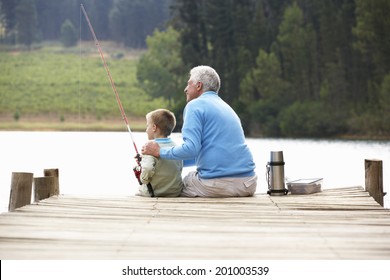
214,138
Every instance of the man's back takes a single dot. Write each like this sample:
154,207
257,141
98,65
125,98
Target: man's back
217,135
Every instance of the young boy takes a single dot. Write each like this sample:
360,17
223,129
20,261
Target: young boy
164,175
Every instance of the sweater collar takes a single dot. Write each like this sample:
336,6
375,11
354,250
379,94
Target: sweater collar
209,93
163,140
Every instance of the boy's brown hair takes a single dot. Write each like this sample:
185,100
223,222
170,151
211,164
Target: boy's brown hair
164,119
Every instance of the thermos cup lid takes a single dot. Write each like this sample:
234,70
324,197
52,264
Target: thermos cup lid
276,156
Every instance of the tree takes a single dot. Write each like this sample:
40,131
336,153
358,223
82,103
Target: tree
161,73
297,45
385,104
371,31
338,61
373,43
132,21
215,32
102,24
160,69
8,9
2,23
191,19
68,34
264,93
232,45
26,22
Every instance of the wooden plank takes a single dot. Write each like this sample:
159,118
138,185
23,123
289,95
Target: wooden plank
341,223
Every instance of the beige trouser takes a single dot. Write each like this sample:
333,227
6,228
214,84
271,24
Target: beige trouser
219,187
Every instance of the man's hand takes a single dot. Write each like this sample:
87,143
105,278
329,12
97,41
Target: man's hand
151,148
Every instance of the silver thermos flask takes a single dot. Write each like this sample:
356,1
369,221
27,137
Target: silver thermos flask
275,174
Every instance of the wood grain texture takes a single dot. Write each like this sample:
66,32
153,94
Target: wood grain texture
343,223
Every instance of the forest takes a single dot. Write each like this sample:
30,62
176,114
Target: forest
290,68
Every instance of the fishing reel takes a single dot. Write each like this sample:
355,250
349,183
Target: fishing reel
137,172
138,169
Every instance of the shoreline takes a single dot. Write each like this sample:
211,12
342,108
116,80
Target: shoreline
136,125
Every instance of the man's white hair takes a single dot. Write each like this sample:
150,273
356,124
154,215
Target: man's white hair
207,76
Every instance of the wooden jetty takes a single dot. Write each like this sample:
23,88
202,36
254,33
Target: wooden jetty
344,223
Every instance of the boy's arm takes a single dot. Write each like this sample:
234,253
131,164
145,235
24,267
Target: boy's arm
148,168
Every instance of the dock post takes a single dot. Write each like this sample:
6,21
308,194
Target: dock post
55,173
47,186
374,179
44,187
21,189
51,172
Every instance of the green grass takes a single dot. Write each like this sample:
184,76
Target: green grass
53,83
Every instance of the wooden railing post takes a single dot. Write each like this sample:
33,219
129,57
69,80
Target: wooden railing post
51,172
374,179
47,186
21,189
56,174
44,187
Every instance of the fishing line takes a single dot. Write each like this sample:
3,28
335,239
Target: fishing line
110,78
79,81
137,170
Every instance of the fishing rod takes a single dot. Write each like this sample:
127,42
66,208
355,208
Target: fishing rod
137,171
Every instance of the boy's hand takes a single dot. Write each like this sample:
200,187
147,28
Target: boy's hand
137,172
138,159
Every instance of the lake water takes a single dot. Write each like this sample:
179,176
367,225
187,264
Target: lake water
100,163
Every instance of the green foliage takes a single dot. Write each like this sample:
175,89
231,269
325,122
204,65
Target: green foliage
312,42
216,33
385,103
132,21
26,18
264,118
385,94
264,92
64,84
297,45
372,33
16,116
160,68
68,34
191,21
127,22
334,88
310,119
271,55
2,24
